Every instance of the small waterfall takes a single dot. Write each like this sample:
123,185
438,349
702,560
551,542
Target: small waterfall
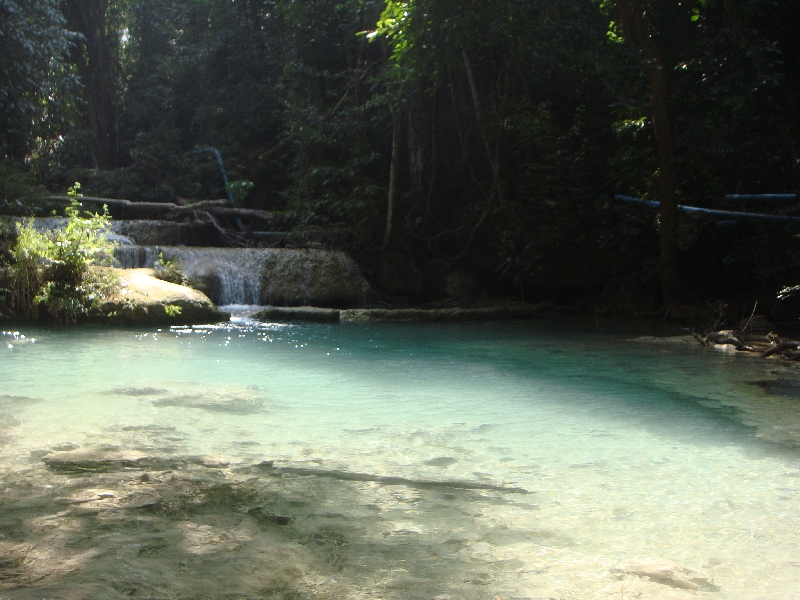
260,275
136,257
245,276
231,275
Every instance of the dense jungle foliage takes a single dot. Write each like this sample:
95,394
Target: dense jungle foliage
477,139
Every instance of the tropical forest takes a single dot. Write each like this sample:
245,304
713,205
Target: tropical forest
395,300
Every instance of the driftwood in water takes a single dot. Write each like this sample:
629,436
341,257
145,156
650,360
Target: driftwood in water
782,348
725,337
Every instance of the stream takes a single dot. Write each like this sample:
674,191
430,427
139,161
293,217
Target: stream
250,460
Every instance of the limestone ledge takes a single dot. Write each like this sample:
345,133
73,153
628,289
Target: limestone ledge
143,298
310,313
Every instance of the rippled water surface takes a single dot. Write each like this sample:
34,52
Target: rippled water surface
408,461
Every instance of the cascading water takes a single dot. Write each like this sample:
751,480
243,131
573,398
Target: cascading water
233,276
237,276
260,275
136,257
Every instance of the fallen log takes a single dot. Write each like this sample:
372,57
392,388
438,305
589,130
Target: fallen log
156,206
780,348
219,208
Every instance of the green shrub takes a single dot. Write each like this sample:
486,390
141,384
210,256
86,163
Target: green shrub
55,270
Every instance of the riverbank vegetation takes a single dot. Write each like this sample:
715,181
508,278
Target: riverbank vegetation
58,273
455,148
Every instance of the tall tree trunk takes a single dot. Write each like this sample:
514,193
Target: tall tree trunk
96,69
392,179
636,32
493,157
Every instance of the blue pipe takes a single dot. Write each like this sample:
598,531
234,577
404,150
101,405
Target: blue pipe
761,197
218,156
705,211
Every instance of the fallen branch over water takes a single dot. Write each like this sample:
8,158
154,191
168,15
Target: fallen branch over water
219,208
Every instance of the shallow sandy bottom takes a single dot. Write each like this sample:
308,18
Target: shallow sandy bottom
194,528
389,462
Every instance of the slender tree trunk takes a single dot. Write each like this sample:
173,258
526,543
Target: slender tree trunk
493,157
392,179
96,69
636,32
668,211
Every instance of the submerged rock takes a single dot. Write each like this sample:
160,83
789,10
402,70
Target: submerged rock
142,298
668,573
97,459
145,500
230,404
264,517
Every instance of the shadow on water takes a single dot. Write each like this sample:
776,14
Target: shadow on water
190,531
783,387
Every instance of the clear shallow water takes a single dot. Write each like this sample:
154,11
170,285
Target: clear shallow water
414,461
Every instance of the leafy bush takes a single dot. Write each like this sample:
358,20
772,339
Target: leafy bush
55,270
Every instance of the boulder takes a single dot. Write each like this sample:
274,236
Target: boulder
142,298
312,277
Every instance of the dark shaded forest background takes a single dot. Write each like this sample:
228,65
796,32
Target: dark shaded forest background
497,131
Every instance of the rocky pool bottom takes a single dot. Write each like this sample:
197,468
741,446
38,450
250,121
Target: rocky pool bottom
263,460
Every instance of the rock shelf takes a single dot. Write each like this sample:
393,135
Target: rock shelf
355,315
142,298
